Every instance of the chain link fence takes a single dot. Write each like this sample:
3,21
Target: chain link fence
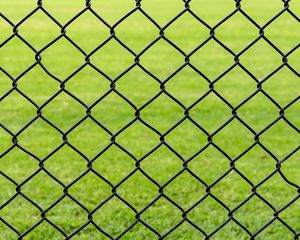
116,222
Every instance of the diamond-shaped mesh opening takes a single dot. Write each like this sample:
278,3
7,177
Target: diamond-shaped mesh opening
137,32
20,214
44,231
18,165
280,139
42,189
37,130
16,111
88,31
63,11
66,164
90,190
234,138
276,231
123,216
237,32
262,11
90,231
285,192
39,30
9,9
139,231
112,58
133,139
185,190
291,35
185,229
149,119
254,214
68,54
207,10
230,85
94,84
63,107
261,59
211,112
230,230
180,141
73,215
212,59
282,79
139,82
209,164
114,164
112,11
38,85
187,86
162,215
208,215
162,113
192,33
161,165
161,11
138,190
161,52
258,112
232,189
290,215
13,64
113,112
256,164
92,143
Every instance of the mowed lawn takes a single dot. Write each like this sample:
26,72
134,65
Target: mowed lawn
40,144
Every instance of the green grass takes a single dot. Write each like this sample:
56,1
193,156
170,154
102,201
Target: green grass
62,59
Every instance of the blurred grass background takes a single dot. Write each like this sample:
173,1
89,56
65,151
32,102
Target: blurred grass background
62,59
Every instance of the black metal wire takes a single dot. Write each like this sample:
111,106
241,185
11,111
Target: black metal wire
186,62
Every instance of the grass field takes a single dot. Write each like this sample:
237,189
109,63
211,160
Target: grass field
62,59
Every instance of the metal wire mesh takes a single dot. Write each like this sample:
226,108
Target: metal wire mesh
137,116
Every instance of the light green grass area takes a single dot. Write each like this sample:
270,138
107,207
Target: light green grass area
162,60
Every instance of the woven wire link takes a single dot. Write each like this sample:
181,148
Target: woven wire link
137,117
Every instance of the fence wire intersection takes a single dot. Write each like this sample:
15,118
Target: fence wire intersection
138,117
